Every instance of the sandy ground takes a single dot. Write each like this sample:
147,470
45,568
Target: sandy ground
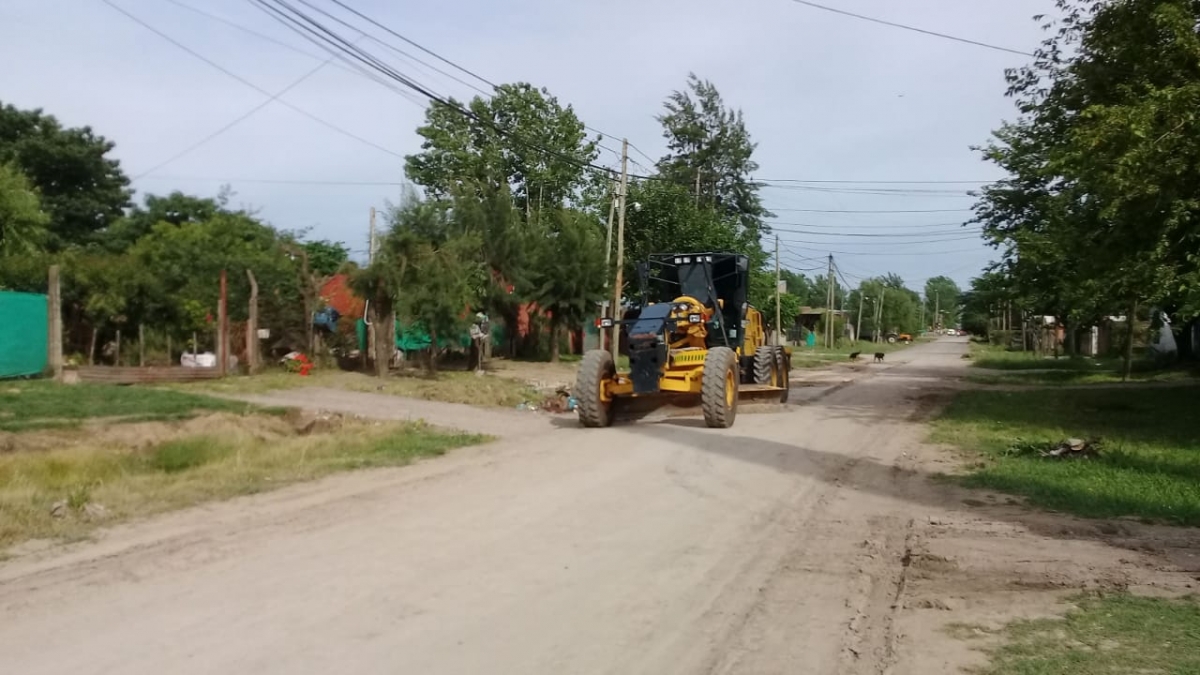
807,540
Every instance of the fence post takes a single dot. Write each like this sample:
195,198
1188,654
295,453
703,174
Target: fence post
54,314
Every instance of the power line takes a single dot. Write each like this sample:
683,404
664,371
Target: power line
957,225
280,181
340,44
248,83
447,61
911,28
875,210
876,182
877,235
249,113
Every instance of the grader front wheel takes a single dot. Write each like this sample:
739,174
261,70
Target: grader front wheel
785,373
719,388
597,368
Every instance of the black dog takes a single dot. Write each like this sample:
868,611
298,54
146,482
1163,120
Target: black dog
878,357
854,356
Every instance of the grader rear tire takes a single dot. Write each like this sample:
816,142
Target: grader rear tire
719,388
785,374
766,366
597,366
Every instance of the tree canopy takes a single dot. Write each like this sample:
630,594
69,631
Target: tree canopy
81,188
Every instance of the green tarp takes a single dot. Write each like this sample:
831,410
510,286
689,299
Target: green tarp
415,338
23,342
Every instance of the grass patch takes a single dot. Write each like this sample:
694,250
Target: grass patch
1150,463
253,455
447,387
1114,634
48,405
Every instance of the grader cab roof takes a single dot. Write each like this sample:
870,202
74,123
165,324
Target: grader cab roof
707,277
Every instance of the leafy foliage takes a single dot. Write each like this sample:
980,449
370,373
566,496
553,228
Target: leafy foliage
82,189
22,222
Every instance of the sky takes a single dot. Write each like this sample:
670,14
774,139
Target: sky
825,96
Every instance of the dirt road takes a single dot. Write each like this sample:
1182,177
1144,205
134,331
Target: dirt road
806,541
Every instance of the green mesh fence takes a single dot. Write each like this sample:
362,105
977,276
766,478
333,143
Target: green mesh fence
23,342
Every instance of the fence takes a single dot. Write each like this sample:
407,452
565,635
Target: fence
24,338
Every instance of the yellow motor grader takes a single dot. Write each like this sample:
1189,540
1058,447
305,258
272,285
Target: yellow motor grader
694,335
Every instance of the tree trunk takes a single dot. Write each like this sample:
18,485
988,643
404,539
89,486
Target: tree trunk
92,348
1132,318
554,330
385,341
432,363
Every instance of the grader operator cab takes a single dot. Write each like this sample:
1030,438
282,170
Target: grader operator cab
694,335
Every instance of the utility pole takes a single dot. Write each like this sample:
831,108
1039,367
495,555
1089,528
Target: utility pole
371,338
371,239
621,194
778,296
879,322
858,324
829,307
937,308
612,209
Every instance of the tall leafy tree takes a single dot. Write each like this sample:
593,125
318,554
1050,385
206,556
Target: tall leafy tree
569,277
709,150
942,294
81,187
521,138
1103,194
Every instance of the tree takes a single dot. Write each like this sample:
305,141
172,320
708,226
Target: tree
1103,195
177,208
942,294
570,276
325,257
521,138
22,221
711,152
82,189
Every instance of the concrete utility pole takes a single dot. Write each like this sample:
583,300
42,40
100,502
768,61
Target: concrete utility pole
371,239
778,296
937,307
371,337
621,194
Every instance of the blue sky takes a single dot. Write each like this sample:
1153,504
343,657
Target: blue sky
826,97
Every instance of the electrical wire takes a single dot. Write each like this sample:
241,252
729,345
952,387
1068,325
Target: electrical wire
237,120
248,83
893,24
876,210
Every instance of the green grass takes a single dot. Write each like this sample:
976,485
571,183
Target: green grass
1114,634
1016,367
1149,466
447,387
235,456
47,405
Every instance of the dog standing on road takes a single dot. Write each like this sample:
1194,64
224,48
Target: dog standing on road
878,357
854,356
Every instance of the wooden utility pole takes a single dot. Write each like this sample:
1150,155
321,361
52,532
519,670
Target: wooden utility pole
222,330
858,325
879,321
829,307
54,340
371,334
612,211
778,296
621,195
937,308
252,348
